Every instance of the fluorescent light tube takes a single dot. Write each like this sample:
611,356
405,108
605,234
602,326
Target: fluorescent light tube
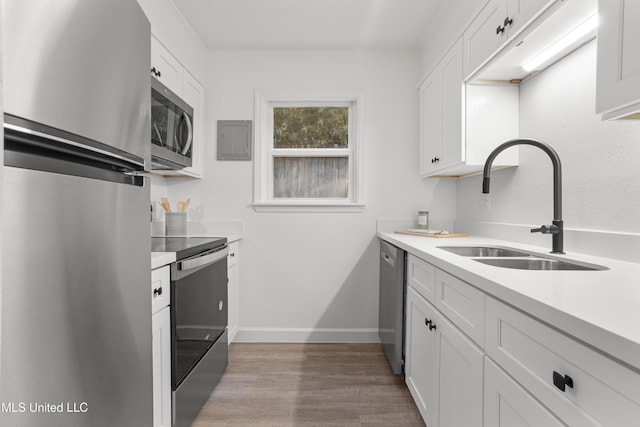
562,43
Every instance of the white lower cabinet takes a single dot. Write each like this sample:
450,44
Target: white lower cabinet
579,385
161,347
161,325
509,405
472,360
444,368
233,290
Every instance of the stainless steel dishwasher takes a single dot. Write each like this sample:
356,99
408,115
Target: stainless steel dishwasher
391,307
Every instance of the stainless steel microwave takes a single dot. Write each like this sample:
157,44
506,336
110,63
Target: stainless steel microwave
171,129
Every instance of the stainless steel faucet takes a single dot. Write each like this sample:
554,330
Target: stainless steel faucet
556,228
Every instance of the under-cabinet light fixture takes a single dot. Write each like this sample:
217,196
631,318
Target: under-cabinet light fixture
562,43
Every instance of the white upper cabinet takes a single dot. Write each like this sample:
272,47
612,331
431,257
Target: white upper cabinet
459,126
498,22
483,38
166,68
441,120
618,76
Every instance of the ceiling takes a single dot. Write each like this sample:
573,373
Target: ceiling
309,24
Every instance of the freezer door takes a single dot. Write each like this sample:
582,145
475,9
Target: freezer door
76,310
81,66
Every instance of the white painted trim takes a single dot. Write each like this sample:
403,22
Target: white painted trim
307,335
232,334
263,102
307,206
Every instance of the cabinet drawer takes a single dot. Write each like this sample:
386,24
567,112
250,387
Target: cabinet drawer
422,277
232,256
160,288
603,392
462,304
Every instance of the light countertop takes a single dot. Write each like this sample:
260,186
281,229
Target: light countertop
158,259
600,308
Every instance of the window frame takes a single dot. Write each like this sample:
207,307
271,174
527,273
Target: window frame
265,152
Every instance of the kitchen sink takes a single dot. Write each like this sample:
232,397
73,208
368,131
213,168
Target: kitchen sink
483,251
498,256
539,264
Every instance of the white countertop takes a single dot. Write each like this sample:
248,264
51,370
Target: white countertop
159,259
600,308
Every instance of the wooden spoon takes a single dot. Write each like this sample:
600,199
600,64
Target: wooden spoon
165,204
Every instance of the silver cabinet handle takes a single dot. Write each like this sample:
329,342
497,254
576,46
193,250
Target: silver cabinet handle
199,261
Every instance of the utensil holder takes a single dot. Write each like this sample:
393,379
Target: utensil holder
175,223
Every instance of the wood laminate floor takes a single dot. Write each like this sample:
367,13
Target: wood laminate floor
309,385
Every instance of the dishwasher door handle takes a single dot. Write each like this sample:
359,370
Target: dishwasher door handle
388,259
199,261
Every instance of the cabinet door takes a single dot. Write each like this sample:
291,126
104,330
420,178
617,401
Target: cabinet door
452,104
193,94
618,76
421,357
232,301
160,288
161,355
508,404
430,123
167,68
461,377
481,39
522,11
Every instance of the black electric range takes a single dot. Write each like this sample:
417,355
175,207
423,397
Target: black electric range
198,310
186,246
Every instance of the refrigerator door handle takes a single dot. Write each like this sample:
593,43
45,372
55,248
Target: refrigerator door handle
74,144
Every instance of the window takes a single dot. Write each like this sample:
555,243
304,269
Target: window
307,152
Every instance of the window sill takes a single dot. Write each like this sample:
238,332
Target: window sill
301,206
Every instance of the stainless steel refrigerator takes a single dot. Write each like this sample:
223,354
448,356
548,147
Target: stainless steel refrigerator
76,306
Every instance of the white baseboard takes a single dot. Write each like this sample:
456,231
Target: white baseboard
232,334
307,335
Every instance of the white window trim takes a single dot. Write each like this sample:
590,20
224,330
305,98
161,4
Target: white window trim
263,200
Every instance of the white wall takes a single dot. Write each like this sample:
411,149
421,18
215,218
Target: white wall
601,177
316,271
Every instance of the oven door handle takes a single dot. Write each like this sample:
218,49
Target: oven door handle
201,260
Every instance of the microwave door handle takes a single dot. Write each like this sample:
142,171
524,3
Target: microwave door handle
187,145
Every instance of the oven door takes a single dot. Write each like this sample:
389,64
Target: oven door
198,309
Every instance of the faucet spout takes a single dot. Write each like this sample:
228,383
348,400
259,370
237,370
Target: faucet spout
556,230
